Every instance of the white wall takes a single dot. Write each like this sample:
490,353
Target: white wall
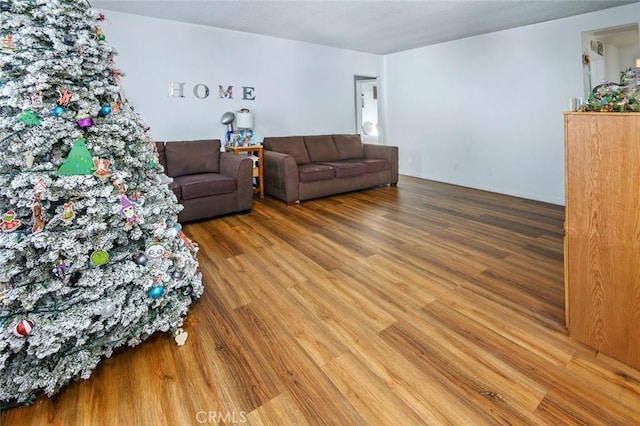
483,112
486,111
300,88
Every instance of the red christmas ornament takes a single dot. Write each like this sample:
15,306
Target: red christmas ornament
100,17
23,328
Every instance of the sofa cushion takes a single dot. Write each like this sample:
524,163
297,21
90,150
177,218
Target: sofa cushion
292,145
347,168
321,148
373,165
349,146
315,172
205,184
192,157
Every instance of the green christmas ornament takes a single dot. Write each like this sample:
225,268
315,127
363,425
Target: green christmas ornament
29,118
79,161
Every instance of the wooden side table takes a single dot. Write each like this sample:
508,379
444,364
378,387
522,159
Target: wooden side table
257,170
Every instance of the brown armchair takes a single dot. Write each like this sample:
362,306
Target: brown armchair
207,182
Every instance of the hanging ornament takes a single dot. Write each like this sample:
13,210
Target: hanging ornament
99,35
173,231
108,308
140,259
23,328
99,257
83,120
100,17
186,240
8,44
137,198
69,39
28,159
176,275
128,210
101,167
156,291
57,111
36,101
9,222
38,221
105,110
5,6
60,269
187,290
115,106
65,97
29,118
180,336
79,161
67,213
157,251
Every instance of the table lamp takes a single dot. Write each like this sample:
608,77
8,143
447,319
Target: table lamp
245,123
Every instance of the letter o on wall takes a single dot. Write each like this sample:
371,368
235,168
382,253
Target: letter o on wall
196,91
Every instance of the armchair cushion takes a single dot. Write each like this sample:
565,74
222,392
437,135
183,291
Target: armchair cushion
205,184
192,157
176,188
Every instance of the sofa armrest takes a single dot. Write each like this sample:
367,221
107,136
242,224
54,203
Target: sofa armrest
386,152
281,176
241,169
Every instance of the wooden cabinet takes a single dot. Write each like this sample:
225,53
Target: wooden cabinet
602,226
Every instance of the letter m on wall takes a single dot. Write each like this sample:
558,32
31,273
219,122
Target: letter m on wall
225,94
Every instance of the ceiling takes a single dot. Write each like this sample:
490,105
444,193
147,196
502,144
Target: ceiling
374,26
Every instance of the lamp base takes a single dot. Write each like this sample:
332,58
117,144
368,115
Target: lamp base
246,137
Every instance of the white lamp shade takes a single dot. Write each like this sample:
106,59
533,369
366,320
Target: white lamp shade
244,120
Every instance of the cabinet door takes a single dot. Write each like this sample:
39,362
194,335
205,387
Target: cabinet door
603,232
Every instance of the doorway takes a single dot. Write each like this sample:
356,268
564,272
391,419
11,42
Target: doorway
366,102
607,52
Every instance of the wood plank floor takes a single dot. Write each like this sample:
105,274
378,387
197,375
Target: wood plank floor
424,303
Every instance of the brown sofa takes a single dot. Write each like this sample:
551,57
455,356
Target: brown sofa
300,168
207,182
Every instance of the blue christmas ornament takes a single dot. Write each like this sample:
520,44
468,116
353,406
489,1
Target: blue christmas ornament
57,111
156,292
105,110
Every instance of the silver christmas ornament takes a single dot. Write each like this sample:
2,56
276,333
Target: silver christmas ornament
140,259
108,309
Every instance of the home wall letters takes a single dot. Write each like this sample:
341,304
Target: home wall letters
201,91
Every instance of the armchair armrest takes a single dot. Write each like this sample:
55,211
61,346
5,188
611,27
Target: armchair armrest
281,176
241,169
386,152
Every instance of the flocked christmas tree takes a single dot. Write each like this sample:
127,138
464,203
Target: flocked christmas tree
91,254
